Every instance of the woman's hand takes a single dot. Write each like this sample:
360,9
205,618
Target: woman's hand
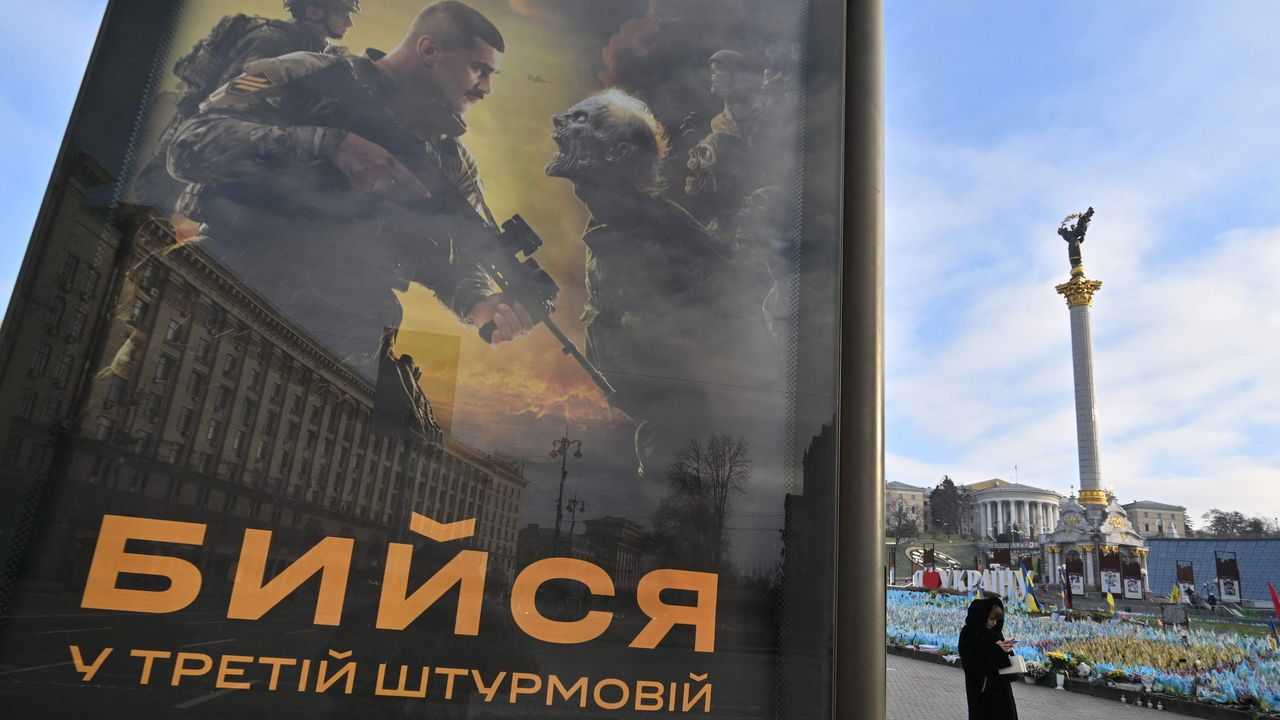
1006,645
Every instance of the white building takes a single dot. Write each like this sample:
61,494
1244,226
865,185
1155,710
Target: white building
1001,507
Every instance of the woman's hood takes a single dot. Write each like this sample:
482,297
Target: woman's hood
980,610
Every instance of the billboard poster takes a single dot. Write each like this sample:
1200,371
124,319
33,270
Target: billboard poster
1186,579
1229,589
1133,588
1228,575
455,360
1077,583
1133,579
1111,581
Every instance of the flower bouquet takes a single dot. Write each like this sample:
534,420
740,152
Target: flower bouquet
1035,672
1060,662
1116,676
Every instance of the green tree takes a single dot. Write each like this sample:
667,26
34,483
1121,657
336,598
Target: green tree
947,506
1234,523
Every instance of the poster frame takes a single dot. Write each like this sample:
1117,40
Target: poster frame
859,649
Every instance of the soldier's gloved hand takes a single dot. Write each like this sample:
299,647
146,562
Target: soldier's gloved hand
371,168
511,319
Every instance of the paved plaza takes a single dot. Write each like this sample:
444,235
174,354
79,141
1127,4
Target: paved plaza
919,689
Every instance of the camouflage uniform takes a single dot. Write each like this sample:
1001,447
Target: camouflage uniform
280,215
247,38
269,39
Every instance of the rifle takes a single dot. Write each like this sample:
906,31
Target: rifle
525,282
498,252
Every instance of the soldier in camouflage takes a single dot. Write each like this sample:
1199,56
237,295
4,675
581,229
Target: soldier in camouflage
234,42
328,183
313,26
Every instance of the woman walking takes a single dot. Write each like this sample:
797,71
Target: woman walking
983,652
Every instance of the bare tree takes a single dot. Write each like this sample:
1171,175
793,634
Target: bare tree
705,479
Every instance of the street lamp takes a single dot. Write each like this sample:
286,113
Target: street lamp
560,448
573,507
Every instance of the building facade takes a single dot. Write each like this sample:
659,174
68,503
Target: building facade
909,502
1155,519
190,399
1003,508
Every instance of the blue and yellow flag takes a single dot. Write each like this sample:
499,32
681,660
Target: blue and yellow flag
1024,576
1111,602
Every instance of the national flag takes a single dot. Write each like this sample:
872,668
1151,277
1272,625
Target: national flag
1275,598
1175,595
1111,603
1028,590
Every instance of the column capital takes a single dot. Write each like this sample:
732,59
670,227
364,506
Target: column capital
1079,290
1093,496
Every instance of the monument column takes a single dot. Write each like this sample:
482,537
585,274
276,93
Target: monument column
1079,292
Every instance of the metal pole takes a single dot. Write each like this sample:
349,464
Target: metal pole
561,447
859,682
574,506
564,473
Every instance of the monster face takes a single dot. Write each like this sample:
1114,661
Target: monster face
583,135
607,139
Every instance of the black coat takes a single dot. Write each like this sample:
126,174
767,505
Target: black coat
989,693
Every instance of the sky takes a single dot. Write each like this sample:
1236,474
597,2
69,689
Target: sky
1002,118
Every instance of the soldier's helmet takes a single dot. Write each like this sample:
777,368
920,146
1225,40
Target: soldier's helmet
295,6
730,58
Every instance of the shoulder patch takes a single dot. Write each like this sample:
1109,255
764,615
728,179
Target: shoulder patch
249,83
286,68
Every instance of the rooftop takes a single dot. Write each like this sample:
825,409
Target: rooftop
1153,505
999,484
